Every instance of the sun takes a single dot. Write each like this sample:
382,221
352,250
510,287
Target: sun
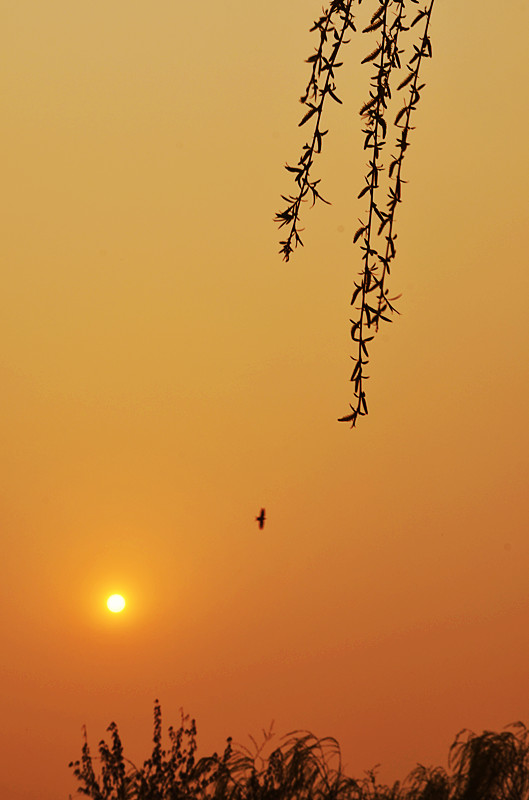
116,603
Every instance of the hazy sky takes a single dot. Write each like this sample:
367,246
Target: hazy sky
165,374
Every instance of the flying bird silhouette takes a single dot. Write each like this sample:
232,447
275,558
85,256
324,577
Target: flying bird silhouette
261,519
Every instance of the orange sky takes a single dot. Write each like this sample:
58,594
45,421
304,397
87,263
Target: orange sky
164,375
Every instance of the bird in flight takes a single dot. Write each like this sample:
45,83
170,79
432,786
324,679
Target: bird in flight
261,519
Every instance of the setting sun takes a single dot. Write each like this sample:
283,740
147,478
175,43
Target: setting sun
116,603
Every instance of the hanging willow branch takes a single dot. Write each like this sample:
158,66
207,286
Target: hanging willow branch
370,300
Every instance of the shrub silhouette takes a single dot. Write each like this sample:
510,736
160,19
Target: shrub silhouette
487,766
493,765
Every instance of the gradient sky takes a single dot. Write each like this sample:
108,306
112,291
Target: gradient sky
165,374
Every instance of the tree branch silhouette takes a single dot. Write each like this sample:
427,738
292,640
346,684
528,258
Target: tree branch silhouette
370,299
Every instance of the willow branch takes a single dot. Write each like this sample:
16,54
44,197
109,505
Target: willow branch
323,67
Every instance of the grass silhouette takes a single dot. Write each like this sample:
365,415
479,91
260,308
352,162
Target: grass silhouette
487,766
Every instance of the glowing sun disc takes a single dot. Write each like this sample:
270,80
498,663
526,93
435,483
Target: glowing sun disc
116,603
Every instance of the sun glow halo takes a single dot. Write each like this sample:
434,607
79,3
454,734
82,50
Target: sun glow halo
116,603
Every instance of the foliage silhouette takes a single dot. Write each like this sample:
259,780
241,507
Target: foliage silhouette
493,765
488,766
396,57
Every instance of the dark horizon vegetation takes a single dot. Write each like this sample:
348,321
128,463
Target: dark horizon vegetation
486,766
